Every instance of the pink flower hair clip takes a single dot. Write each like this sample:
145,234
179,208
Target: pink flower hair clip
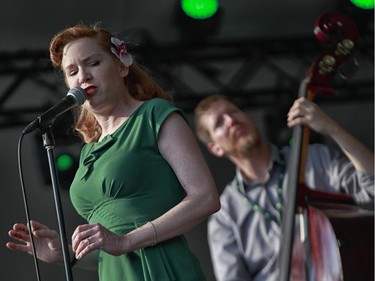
120,51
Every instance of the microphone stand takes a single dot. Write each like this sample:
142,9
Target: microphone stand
49,143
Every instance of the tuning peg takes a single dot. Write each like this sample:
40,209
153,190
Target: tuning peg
343,76
356,62
344,47
326,64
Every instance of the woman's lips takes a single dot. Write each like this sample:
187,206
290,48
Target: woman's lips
91,90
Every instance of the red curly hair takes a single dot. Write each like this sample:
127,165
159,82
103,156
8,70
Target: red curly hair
140,85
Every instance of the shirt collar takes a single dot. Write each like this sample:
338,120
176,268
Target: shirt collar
275,157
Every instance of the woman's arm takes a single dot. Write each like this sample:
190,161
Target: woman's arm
179,147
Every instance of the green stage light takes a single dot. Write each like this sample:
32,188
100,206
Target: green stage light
199,9
64,162
364,4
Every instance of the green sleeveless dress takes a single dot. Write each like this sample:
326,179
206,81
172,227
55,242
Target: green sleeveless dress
122,183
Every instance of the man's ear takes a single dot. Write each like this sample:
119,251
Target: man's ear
215,149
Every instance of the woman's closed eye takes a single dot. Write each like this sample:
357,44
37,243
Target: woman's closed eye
93,63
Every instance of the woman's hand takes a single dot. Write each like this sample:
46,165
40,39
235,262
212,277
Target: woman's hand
47,242
89,237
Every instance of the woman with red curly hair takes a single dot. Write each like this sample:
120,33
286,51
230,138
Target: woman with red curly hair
142,181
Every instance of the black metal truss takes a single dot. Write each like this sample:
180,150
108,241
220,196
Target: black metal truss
255,72
261,71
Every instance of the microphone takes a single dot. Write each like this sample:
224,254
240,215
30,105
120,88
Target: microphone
75,97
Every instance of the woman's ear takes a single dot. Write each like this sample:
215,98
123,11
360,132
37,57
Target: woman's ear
124,70
215,149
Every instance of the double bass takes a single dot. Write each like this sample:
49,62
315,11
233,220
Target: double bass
317,241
